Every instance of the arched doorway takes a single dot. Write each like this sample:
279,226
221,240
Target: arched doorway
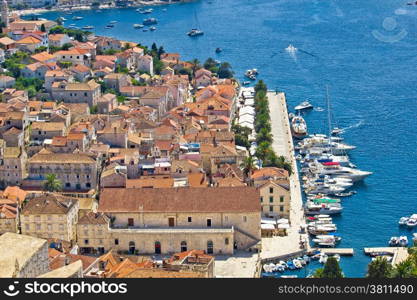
157,248
183,246
132,247
209,247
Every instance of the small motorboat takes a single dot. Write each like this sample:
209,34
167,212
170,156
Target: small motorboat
145,29
150,21
153,28
412,221
403,241
347,194
77,18
337,256
291,49
337,131
304,105
218,50
394,241
195,32
403,221
415,237
323,258
88,27
113,22
137,26
246,83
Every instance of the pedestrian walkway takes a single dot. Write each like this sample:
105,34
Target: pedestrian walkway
283,146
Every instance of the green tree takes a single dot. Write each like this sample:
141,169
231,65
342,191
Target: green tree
43,29
248,165
331,270
404,269
379,268
225,70
52,183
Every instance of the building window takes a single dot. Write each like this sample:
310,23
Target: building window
38,226
171,222
190,219
262,199
271,208
132,247
281,208
226,241
68,185
281,198
116,241
208,222
88,185
271,190
130,222
157,247
86,242
61,227
209,247
183,246
271,199
245,219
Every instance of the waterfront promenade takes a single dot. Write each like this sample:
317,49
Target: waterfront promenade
283,145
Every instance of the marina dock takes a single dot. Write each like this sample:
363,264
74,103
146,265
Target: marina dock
333,251
399,253
283,145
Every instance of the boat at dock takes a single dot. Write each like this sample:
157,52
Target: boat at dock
298,127
312,208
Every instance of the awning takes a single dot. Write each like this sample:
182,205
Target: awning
282,221
267,226
283,226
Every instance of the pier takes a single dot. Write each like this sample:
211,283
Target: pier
399,253
283,146
333,251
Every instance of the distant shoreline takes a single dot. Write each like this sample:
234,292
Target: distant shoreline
31,11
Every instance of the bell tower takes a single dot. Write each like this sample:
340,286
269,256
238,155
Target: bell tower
5,13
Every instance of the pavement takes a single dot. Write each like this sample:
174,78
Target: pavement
283,145
241,265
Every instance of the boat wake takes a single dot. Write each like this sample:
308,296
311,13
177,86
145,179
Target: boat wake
360,123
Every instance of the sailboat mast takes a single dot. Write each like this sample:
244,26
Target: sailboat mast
328,112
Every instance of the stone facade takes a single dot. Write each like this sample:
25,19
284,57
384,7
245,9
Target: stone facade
275,200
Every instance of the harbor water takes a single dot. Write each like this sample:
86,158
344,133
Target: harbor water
364,50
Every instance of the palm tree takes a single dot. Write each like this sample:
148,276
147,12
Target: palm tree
281,162
196,65
404,269
52,183
379,268
248,164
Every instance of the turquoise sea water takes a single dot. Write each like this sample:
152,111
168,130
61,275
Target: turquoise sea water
364,50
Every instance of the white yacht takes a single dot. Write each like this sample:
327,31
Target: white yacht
298,127
304,105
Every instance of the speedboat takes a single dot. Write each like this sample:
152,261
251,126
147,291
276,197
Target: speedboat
195,32
347,194
218,50
88,27
337,131
312,208
298,127
150,21
323,258
394,241
246,83
304,105
403,241
411,222
77,18
153,28
251,74
403,220
137,26
291,49
113,22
